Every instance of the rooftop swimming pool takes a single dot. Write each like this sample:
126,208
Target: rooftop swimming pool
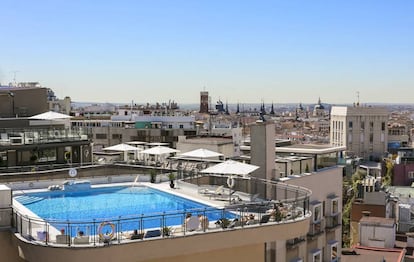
128,207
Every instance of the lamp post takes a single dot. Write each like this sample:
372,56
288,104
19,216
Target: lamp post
11,94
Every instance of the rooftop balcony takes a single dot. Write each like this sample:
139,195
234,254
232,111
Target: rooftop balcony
19,137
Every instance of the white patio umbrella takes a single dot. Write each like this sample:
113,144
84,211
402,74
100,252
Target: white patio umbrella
201,153
51,118
138,144
50,115
159,150
230,168
123,148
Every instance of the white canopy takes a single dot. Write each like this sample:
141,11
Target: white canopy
122,147
159,150
50,115
231,167
201,153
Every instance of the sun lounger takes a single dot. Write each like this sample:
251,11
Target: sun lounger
226,195
136,235
226,223
255,198
152,233
211,191
234,223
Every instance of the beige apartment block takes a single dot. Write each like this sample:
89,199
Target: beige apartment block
363,130
324,239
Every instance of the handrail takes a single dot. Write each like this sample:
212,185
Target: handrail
37,229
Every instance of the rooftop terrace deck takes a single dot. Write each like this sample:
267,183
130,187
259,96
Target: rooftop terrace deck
37,237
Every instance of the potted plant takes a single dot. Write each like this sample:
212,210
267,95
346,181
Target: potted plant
223,222
33,158
166,231
278,215
153,174
171,176
307,168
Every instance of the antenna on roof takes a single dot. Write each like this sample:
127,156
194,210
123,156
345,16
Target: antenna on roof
14,77
357,98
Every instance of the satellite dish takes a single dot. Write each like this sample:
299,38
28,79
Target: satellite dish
73,172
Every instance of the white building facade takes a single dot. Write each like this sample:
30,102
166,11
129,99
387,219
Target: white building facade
363,130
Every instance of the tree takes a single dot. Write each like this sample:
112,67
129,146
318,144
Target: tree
349,194
153,175
389,166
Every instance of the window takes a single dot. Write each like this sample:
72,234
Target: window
362,125
46,155
350,124
371,138
334,206
383,126
333,248
317,213
317,256
181,126
116,136
323,208
170,126
100,136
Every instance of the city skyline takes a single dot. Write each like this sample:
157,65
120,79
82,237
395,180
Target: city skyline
281,52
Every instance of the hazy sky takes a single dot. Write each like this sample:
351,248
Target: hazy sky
239,51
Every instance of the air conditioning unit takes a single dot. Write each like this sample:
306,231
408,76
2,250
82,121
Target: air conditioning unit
16,140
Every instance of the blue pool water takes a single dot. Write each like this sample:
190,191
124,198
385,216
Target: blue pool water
121,205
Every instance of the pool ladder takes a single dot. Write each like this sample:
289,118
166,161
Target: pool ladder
136,181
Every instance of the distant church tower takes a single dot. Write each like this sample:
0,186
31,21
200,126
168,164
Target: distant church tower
227,109
319,109
204,102
272,110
